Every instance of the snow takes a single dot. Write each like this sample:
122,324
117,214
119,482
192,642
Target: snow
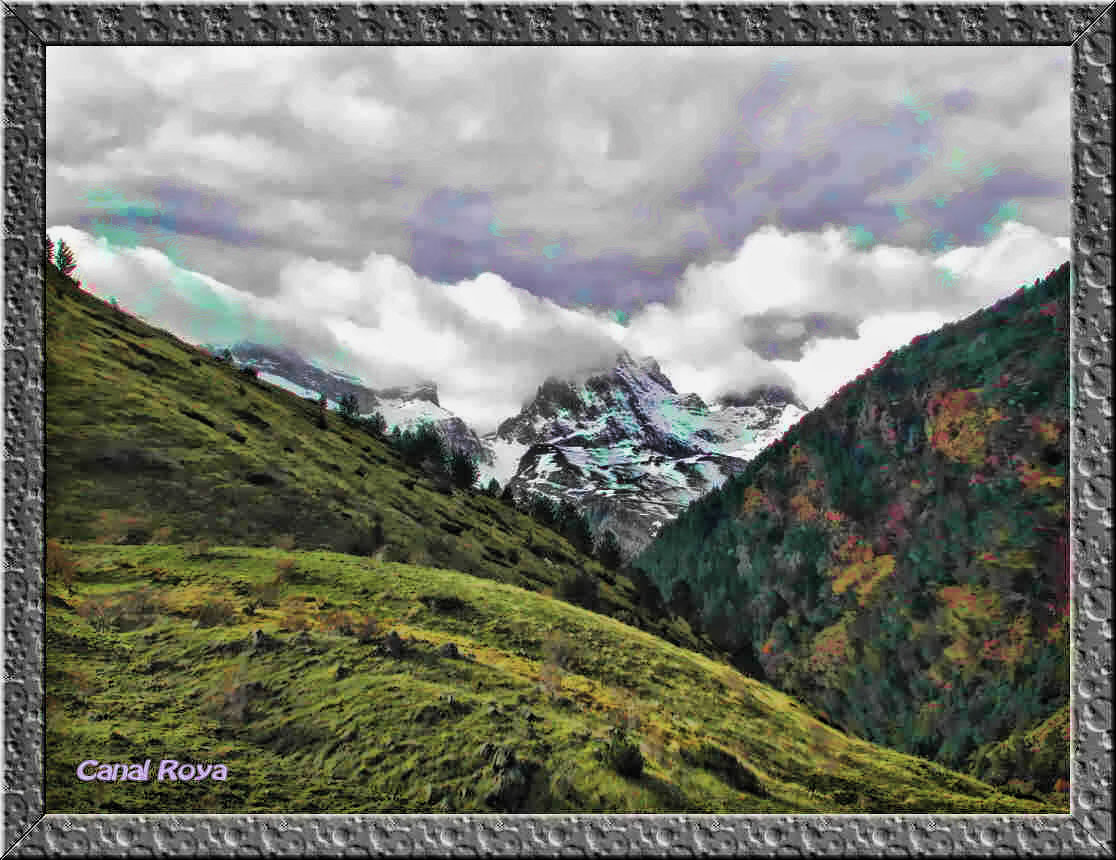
294,388
406,414
789,417
505,460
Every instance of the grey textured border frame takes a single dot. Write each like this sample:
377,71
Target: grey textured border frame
1087,831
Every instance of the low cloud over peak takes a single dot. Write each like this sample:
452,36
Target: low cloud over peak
759,318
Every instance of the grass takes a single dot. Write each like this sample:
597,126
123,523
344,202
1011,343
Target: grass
342,726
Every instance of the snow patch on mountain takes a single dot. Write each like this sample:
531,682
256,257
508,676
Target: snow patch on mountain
407,413
505,457
402,406
625,447
294,388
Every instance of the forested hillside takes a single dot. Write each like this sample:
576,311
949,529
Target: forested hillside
900,558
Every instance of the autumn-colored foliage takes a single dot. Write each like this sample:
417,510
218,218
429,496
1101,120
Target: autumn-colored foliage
831,648
803,508
967,601
864,575
59,563
1010,647
957,425
1035,477
754,500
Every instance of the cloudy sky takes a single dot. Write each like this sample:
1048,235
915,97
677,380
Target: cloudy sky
484,217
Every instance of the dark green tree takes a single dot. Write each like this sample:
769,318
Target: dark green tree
566,513
430,448
575,528
682,601
647,593
64,259
608,551
463,470
348,406
544,510
376,424
579,587
493,488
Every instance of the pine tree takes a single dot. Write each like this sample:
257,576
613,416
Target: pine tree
575,528
608,551
463,470
348,406
682,601
493,488
544,510
49,250
376,424
64,259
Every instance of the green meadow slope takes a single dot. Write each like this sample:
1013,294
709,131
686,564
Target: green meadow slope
216,591
537,705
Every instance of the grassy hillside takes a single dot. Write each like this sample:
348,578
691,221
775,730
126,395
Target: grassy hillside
151,440
537,706
899,559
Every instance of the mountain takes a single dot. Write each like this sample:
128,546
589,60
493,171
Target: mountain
402,406
626,448
621,444
899,559
228,581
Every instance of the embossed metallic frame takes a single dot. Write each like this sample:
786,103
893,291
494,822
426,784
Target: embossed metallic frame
1087,831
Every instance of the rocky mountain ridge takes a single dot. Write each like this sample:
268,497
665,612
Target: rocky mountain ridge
624,446
619,443
403,406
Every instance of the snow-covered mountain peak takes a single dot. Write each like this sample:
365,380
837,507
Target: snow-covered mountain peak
619,442
625,446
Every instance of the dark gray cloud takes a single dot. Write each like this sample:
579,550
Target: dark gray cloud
622,163
775,335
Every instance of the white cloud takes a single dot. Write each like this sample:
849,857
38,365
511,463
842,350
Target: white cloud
828,364
489,344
